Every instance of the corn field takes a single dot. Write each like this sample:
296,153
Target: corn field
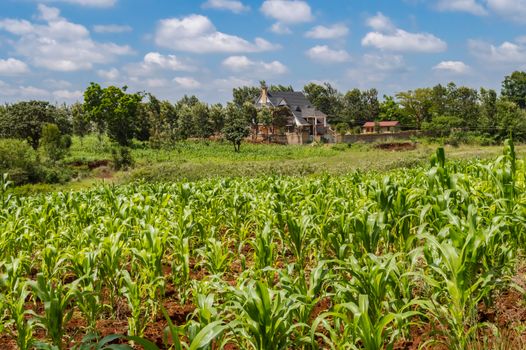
363,261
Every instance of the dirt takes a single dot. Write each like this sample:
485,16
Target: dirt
397,146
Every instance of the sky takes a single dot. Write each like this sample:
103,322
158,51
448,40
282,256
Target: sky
52,49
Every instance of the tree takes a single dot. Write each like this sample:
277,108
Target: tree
236,127
511,120
326,99
80,121
417,105
488,110
442,125
217,117
245,94
114,111
53,143
514,88
390,110
24,120
265,117
201,120
250,114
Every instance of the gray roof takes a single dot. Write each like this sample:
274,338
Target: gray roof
298,103
293,98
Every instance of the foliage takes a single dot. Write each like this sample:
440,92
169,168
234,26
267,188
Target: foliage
54,144
122,158
514,88
113,110
19,160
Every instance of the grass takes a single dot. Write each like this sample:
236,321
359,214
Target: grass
195,160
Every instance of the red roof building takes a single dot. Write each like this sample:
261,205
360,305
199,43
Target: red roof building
383,127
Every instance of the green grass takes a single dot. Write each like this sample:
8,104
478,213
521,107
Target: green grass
195,160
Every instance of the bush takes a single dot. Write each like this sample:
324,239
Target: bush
54,144
122,158
19,160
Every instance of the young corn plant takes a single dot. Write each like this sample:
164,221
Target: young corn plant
216,256
56,298
136,292
263,318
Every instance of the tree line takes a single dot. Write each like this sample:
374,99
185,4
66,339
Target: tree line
125,116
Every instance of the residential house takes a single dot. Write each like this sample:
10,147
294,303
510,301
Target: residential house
383,127
305,121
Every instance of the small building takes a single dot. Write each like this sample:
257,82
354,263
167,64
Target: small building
383,127
305,120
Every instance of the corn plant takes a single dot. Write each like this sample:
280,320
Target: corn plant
56,299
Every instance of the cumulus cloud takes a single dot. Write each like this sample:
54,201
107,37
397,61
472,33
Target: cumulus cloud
31,91
469,6
58,44
155,62
12,66
187,82
243,63
287,11
505,53
111,28
196,33
376,68
335,31
280,28
513,9
387,37
229,5
324,54
457,67
68,95
110,74
88,3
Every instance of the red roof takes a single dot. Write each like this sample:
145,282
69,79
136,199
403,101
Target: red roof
385,124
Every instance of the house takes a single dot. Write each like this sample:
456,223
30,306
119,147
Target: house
304,121
383,127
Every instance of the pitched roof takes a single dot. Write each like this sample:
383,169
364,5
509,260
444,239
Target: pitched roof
385,124
293,98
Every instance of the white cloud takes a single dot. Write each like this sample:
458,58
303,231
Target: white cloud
58,44
335,31
156,82
287,11
469,6
111,28
57,84
324,54
187,82
458,67
230,5
513,9
280,28
68,95
110,74
12,66
243,63
505,53
31,91
387,37
169,62
196,33
380,23
89,3
374,69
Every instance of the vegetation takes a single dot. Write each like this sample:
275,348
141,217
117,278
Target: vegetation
363,261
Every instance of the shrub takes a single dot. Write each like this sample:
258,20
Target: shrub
122,158
54,144
19,160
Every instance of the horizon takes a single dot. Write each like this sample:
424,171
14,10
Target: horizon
52,49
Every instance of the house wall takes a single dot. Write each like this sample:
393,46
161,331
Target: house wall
369,138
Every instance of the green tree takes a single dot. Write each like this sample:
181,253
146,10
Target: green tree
265,118
514,88
236,128
113,110
416,105
53,143
245,94
217,117
511,120
24,120
202,124
488,110
80,120
326,99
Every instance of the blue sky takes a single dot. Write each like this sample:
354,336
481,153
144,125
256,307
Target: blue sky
52,49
